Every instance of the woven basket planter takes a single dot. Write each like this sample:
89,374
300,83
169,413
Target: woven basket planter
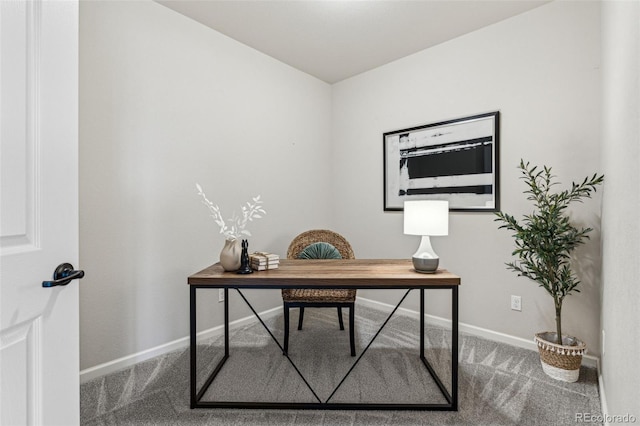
561,362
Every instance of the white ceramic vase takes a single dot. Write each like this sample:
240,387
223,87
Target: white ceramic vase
230,254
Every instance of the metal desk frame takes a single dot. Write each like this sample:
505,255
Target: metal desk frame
196,395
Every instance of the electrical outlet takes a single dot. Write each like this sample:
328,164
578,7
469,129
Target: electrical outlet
516,303
221,295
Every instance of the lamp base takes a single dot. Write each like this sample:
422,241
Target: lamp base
425,266
425,260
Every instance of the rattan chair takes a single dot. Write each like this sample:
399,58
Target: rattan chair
319,298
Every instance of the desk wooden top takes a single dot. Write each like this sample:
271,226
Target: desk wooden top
333,273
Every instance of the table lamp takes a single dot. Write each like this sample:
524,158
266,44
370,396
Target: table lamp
426,218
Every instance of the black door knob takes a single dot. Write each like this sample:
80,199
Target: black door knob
63,275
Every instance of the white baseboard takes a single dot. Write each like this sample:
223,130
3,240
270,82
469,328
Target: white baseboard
603,399
587,360
130,360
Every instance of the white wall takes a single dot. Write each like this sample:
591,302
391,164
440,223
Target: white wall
620,223
541,71
164,103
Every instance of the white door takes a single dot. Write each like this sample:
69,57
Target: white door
39,350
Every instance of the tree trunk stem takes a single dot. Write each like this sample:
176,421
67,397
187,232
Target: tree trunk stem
559,324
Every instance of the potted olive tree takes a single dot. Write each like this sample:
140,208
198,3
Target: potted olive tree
544,240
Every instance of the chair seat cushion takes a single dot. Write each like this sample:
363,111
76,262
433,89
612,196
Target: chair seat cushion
318,295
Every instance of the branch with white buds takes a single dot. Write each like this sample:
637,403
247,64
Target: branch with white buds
235,227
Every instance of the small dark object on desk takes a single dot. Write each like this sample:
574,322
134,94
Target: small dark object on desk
245,267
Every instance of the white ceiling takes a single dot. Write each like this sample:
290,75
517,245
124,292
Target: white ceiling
334,40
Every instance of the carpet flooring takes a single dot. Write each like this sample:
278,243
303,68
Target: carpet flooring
498,384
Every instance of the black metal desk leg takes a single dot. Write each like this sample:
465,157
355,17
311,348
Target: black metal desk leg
226,322
421,322
193,347
196,395
454,348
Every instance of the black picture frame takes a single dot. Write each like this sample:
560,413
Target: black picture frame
455,160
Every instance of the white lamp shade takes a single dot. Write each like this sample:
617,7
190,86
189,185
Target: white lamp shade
426,217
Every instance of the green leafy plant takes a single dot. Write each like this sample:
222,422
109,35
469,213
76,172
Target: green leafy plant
545,238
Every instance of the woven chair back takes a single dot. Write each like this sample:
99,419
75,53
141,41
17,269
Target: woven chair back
300,242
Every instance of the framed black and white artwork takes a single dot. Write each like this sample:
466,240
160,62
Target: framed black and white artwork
454,160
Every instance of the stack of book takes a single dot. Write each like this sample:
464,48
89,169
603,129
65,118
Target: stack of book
262,261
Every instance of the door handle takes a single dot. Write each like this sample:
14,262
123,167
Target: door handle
63,275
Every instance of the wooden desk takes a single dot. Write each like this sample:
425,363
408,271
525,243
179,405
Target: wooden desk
335,273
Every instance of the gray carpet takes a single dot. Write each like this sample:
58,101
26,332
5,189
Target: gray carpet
498,384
